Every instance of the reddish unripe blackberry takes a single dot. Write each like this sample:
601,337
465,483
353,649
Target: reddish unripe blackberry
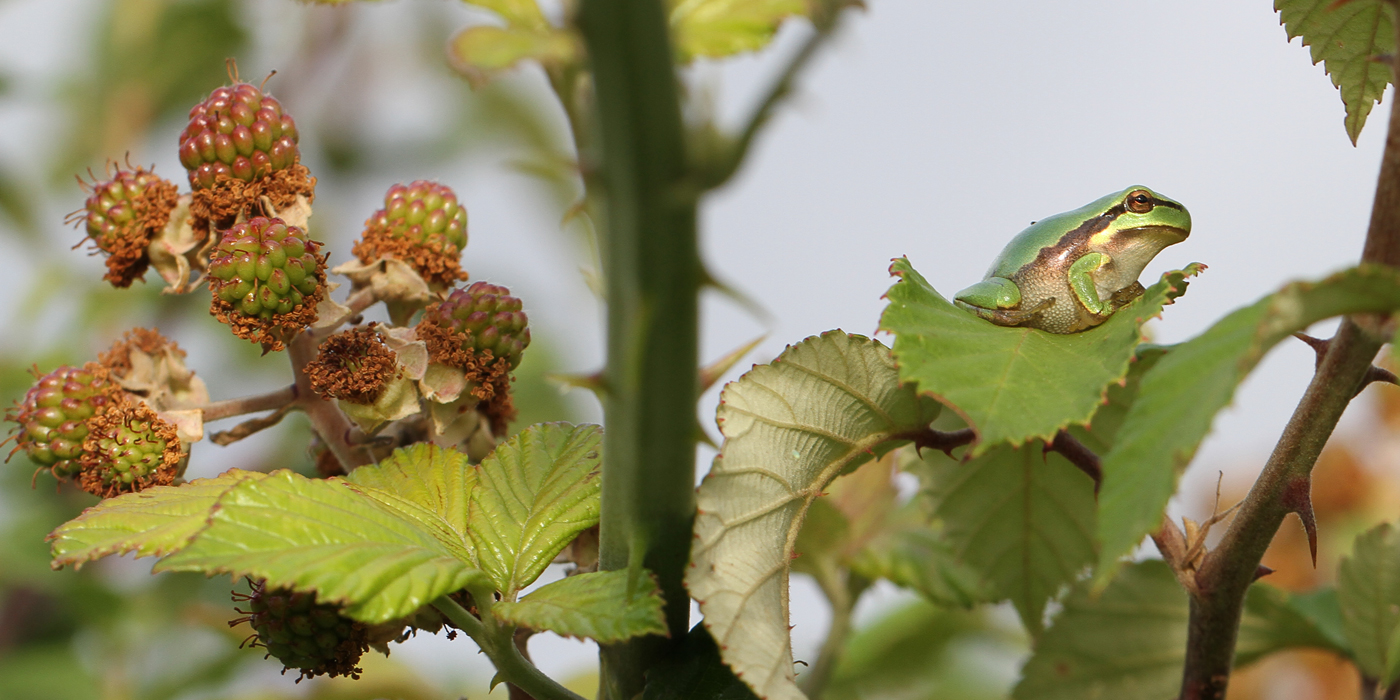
312,638
483,318
266,278
53,418
128,448
239,132
422,224
122,215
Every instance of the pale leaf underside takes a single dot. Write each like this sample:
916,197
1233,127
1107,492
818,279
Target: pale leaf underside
824,406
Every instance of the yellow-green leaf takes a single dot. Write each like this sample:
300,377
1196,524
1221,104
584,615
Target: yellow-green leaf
153,522
480,52
717,28
382,557
605,606
534,494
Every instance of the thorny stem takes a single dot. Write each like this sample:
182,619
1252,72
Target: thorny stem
1226,572
219,410
652,266
498,642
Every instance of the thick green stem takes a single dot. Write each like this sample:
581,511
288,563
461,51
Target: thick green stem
653,272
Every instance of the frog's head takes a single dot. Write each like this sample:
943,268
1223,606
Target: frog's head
1139,217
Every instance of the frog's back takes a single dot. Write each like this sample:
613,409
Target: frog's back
1064,231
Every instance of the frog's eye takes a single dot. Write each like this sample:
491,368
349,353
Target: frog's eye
1139,201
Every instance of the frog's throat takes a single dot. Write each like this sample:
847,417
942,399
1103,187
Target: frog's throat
1132,249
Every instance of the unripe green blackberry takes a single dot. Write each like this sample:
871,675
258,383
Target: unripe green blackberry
482,318
53,418
128,448
238,132
122,215
422,224
313,638
266,278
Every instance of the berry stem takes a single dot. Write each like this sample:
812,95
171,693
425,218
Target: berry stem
498,642
219,410
327,420
354,305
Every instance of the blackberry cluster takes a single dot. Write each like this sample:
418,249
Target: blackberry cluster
121,217
313,638
422,224
266,279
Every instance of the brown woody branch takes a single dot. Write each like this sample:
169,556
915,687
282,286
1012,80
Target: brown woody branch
1224,575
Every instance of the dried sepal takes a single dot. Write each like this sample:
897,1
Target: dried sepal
152,367
179,253
403,291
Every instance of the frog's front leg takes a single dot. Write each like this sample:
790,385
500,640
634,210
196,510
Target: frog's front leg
1081,282
996,299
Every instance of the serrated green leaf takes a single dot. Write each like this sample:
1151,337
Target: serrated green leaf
1129,643
823,407
695,673
438,479
1178,399
718,28
153,522
1349,38
1368,588
482,51
1013,384
603,606
1021,518
534,494
382,557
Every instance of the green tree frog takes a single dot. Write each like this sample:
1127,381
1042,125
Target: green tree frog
1070,272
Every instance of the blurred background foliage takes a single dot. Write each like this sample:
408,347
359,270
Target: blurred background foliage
130,72
377,102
